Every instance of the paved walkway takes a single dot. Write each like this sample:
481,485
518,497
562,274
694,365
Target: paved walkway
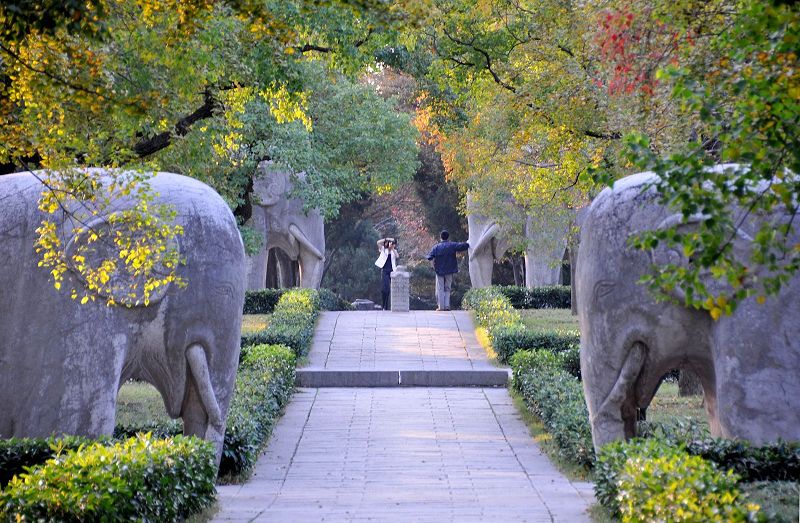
402,454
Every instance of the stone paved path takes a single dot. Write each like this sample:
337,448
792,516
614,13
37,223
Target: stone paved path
402,454
416,340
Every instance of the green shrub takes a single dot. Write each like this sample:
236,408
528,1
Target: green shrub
492,311
330,301
18,453
262,301
673,486
772,462
508,339
140,478
545,297
292,322
556,397
264,385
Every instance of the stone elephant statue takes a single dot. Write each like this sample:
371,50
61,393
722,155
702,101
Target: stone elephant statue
62,363
285,226
488,242
747,362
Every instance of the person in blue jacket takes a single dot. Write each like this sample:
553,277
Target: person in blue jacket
445,264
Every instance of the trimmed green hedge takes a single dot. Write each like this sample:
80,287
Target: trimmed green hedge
18,453
140,478
264,384
292,322
508,339
545,297
556,397
263,301
654,479
773,462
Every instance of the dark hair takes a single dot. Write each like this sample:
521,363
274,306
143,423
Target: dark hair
444,235
386,243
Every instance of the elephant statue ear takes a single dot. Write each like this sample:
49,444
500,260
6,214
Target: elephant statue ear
269,184
92,252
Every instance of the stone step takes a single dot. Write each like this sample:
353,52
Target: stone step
318,378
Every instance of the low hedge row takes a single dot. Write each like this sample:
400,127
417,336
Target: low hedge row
656,480
292,322
263,301
545,297
264,384
508,339
503,323
141,479
556,397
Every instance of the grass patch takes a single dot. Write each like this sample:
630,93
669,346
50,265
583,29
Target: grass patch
545,441
667,406
778,499
549,319
139,403
253,323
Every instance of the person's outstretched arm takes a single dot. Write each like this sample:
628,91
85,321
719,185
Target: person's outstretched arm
462,246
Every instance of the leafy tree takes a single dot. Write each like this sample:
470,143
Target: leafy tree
118,83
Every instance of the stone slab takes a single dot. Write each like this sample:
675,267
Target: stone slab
311,378
416,454
454,378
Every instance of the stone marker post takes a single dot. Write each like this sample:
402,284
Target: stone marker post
401,287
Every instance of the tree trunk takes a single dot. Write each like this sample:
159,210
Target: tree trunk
689,384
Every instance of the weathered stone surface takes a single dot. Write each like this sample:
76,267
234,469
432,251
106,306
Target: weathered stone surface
286,226
546,243
61,363
401,289
363,305
746,362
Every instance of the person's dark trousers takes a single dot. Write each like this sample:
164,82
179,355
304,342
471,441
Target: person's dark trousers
386,287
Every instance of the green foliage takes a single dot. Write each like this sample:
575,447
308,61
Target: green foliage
264,384
18,453
507,340
546,297
262,301
745,103
330,301
491,308
292,322
675,486
141,478
556,397
771,462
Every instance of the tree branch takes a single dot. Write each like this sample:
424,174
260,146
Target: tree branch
152,145
323,49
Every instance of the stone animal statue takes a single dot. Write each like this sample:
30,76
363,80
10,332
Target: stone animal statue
286,226
747,362
489,242
62,363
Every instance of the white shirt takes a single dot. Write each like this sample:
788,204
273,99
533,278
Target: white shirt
381,261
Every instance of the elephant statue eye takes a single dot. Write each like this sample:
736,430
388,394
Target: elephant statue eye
603,288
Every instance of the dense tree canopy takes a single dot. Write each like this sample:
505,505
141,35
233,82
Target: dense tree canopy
533,106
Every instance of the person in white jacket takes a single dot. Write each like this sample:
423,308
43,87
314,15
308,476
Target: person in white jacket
387,262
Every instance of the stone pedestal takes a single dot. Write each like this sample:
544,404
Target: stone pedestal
401,287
